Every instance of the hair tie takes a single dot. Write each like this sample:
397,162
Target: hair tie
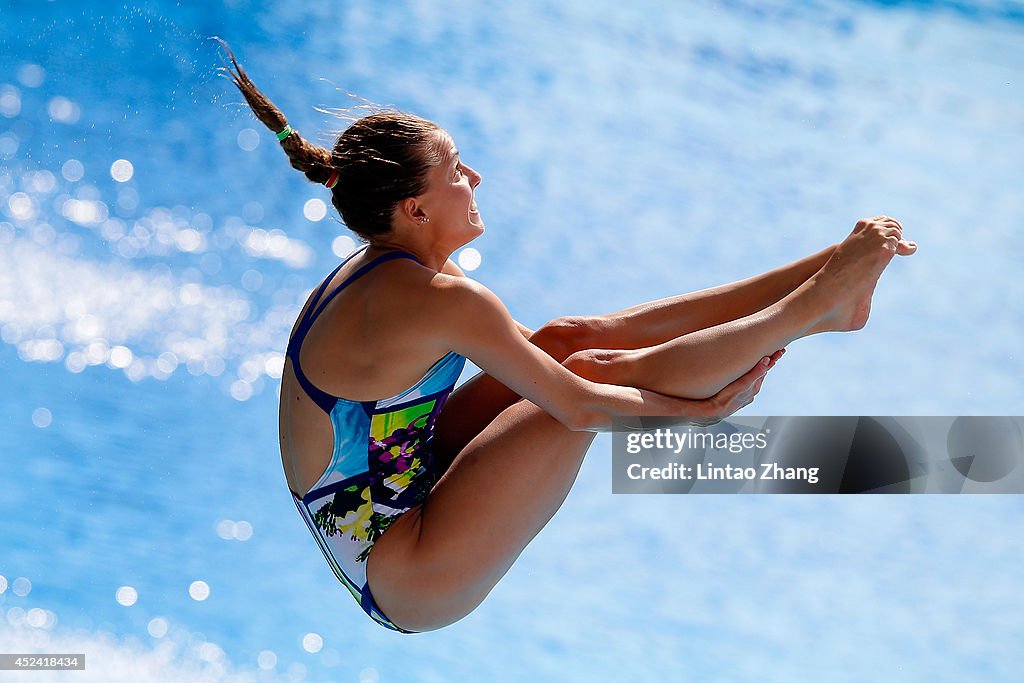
332,180
285,133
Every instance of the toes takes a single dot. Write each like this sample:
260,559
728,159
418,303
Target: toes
905,248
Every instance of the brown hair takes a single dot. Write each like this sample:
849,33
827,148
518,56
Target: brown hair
380,159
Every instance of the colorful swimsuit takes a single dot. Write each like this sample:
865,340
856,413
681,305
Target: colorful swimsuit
382,464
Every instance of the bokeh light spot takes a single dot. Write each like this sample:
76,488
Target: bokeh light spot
42,417
226,529
63,110
199,590
241,390
242,531
43,181
127,596
22,207
31,75
343,245
314,210
36,618
274,366
21,586
120,357
10,101
72,170
252,280
157,627
122,170
469,259
266,660
312,642
248,139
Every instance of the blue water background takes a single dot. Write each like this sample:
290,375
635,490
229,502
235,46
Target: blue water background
628,153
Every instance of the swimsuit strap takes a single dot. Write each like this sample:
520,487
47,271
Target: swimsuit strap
316,307
307,318
327,281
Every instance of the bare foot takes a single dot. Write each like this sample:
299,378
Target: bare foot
849,278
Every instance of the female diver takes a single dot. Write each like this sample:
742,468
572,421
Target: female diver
446,488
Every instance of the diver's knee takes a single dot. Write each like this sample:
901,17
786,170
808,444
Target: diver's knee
566,335
607,366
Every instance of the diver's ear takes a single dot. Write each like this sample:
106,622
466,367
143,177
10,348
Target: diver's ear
410,211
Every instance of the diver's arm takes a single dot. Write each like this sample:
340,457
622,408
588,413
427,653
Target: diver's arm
473,322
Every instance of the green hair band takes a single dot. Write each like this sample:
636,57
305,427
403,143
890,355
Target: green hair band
285,133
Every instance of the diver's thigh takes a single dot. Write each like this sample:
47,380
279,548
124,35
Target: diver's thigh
468,410
476,403
433,567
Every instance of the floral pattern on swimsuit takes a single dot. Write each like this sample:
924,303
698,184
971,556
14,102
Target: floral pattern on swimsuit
383,465
401,475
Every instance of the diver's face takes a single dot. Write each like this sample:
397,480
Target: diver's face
449,200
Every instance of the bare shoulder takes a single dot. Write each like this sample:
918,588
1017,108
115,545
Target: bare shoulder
401,300
469,316
415,287
431,302
450,268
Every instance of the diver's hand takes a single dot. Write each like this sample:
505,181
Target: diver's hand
734,396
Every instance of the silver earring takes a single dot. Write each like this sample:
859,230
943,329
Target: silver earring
424,219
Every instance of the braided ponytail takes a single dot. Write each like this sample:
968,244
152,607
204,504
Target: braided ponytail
314,161
376,162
